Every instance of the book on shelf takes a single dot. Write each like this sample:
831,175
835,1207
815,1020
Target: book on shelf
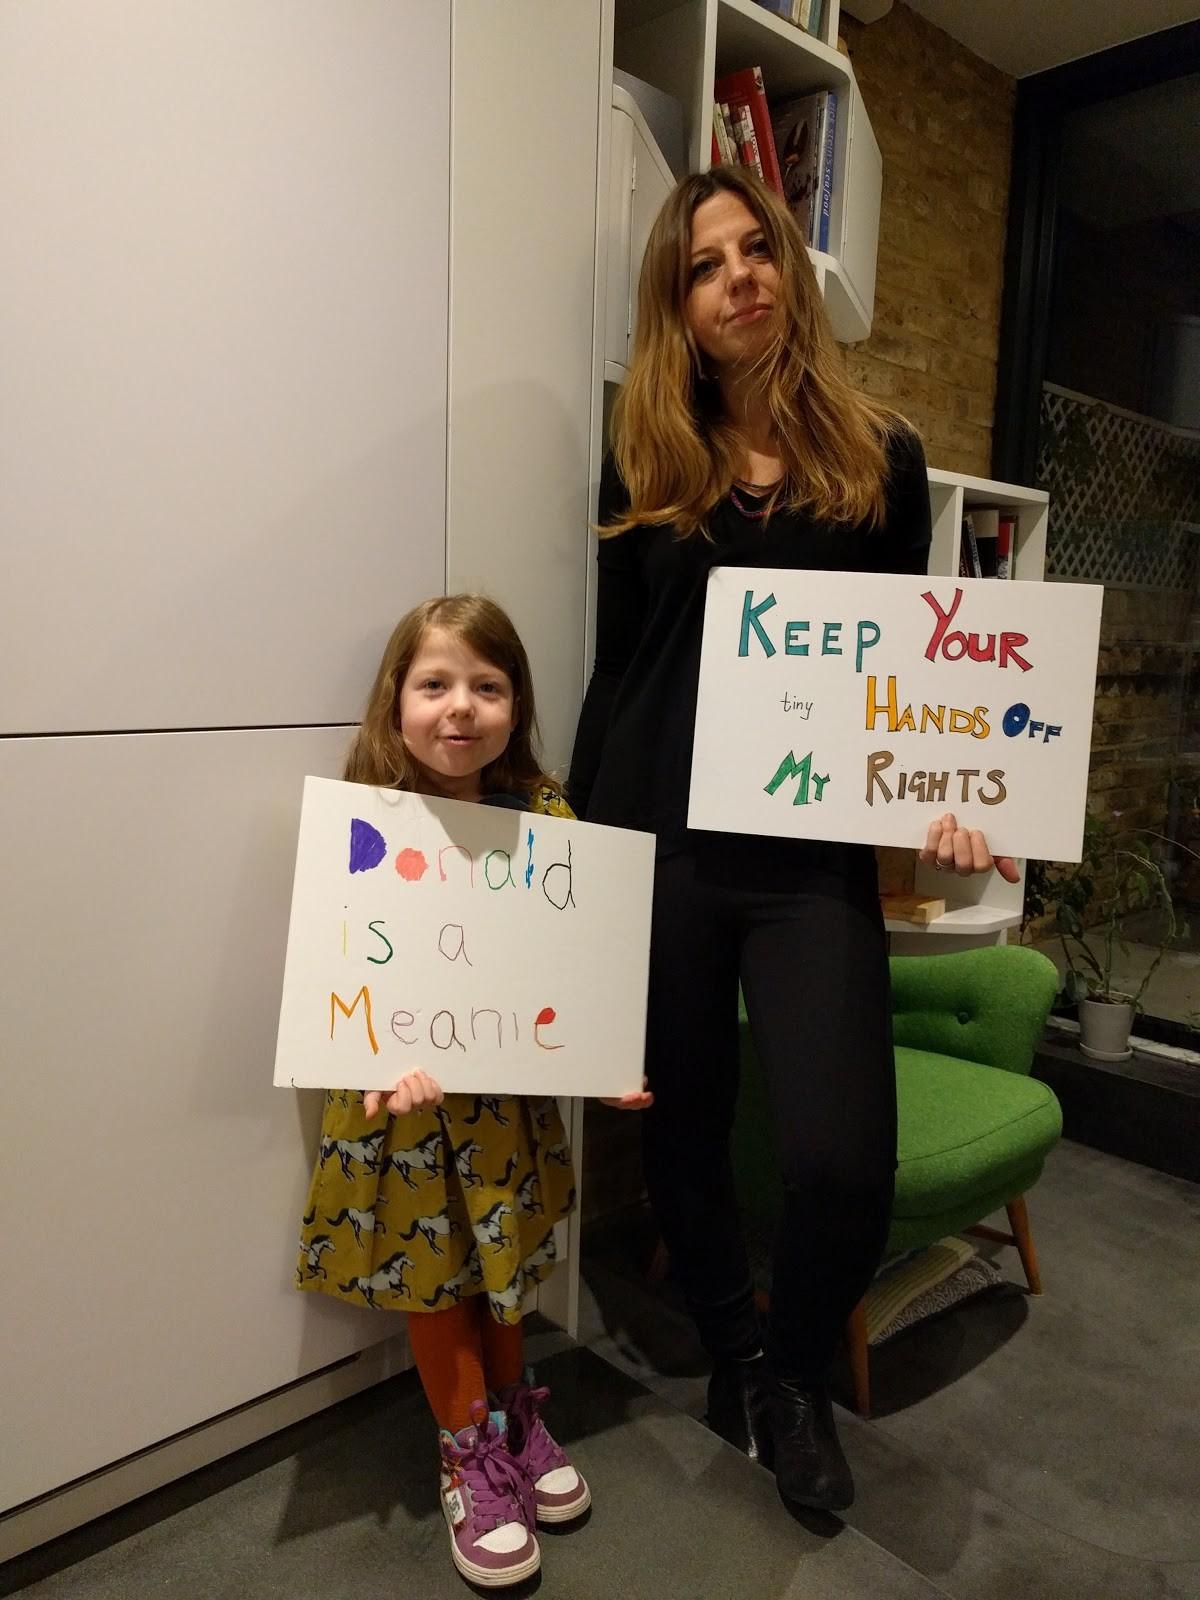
796,125
1006,538
806,14
728,134
732,141
828,138
790,146
722,146
746,97
993,532
800,13
985,524
970,547
750,150
733,134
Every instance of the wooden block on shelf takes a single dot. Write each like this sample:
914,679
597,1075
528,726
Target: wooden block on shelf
915,908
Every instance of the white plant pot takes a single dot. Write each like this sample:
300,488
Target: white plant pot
1104,1028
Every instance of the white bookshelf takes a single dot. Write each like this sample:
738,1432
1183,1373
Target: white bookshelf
952,494
981,909
683,48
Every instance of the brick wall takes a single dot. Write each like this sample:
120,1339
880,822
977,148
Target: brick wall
1139,708
943,119
1144,716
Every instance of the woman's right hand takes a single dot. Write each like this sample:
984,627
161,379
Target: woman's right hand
413,1092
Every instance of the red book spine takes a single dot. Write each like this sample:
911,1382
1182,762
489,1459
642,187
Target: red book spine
1004,545
746,88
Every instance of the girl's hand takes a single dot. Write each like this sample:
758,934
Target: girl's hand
637,1101
413,1092
963,850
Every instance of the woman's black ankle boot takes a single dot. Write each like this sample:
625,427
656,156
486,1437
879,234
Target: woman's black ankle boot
810,1469
737,1407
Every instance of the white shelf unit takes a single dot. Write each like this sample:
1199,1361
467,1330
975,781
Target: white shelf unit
683,48
639,182
973,922
979,910
953,494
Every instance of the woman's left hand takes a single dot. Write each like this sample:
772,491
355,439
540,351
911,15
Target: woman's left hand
963,850
637,1101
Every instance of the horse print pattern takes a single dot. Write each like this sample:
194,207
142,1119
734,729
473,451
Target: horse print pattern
422,1210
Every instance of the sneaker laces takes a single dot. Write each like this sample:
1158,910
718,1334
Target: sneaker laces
538,1451
498,1486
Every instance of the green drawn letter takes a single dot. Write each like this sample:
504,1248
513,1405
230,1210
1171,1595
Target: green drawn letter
789,767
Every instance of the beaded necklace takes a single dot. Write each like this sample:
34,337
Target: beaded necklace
756,489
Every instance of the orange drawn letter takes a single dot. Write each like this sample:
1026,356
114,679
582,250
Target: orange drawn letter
364,994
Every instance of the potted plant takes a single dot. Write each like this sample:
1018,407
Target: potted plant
1118,879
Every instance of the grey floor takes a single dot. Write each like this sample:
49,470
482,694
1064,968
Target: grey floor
1045,1448
1021,1448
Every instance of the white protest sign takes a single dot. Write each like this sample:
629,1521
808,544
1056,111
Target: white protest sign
500,951
860,706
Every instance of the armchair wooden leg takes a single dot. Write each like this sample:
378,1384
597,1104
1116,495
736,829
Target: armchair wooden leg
1018,1216
856,1342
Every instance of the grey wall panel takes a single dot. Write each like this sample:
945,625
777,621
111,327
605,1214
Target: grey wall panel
521,355
152,1179
224,251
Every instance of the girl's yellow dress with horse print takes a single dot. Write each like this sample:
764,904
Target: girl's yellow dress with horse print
413,1213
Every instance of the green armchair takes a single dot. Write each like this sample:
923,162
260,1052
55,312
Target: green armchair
974,1127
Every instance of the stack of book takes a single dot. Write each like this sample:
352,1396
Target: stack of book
790,146
986,548
806,14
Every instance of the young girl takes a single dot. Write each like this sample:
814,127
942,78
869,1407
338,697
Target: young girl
444,1206
738,441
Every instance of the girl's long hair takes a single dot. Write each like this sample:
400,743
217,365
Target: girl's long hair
379,754
676,452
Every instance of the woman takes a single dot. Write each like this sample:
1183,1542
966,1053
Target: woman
738,441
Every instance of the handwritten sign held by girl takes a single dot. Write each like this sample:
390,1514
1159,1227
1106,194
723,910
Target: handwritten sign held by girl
504,952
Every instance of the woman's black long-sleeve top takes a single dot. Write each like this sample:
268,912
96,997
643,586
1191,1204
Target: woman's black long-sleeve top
632,761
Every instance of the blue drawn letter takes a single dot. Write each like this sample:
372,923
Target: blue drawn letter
750,616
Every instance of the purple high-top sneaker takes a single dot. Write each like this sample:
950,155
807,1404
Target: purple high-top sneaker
488,1503
559,1491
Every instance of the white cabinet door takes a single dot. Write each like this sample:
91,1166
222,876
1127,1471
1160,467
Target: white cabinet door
224,252
152,1180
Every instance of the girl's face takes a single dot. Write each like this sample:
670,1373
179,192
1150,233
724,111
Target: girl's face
733,282
456,713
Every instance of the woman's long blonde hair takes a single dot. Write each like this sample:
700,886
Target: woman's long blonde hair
379,754
676,452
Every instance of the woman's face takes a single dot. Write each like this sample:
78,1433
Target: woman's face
733,282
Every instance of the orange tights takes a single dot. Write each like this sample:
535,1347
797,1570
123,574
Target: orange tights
461,1353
